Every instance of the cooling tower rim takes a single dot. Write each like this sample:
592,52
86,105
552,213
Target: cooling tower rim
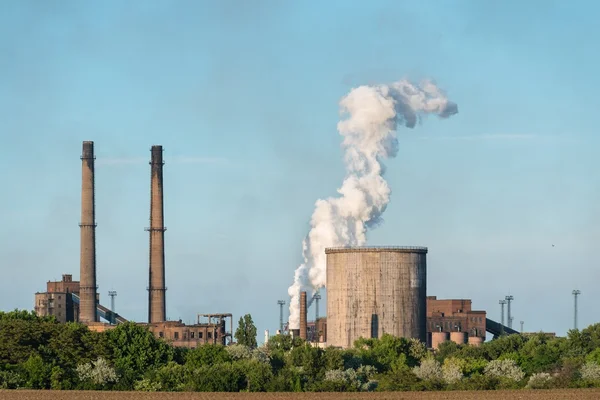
376,249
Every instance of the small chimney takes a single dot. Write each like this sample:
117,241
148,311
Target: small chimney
303,324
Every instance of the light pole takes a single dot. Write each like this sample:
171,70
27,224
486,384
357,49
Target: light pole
575,294
502,303
509,299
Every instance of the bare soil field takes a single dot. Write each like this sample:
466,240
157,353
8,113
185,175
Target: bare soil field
490,395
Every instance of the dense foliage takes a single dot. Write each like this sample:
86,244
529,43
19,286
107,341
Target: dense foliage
40,353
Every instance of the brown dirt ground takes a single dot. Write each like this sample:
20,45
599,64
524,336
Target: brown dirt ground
491,395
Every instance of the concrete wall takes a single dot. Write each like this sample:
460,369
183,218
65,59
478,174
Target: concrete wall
87,262
372,291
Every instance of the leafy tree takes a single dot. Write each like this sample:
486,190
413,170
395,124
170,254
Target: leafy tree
135,350
37,373
382,353
207,355
169,378
245,333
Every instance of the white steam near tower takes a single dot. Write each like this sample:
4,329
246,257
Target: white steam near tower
371,115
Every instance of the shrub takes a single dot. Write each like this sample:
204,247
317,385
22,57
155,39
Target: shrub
540,380
429,370
97,372
452,370
506,368
590,371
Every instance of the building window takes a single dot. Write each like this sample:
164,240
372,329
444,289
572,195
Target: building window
479,319
59,305
199,335
160,334
210,335
60,314
176,335
185,335
191,335
59,297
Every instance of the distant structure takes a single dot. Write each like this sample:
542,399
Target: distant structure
502,304
156,289
281,303
375,290
522,322
57,301
112,294
575,294
61,300
509,300
454,320
87,286
70,300
317,298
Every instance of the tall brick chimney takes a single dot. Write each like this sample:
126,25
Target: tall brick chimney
156,289
87,260
303,323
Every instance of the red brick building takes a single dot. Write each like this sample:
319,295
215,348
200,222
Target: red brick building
454,315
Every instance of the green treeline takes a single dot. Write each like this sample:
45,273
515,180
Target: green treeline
39,353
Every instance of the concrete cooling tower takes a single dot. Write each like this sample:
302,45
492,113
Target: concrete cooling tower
375,290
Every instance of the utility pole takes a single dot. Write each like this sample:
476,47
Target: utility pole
509,299
502,303
281,304
575,294
112,294
522,322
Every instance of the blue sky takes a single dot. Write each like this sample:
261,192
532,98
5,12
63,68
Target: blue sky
244,98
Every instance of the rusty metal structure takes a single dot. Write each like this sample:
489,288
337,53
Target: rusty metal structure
87,260
156,289
375,290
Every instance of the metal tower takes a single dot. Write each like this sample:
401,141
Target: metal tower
575,294
316,298
112,294
502,303
281,304
509,320
522,322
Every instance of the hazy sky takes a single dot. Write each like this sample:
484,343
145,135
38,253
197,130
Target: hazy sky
243,95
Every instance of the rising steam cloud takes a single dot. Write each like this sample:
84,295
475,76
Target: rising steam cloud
371,115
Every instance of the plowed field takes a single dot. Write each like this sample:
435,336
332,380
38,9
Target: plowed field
493,395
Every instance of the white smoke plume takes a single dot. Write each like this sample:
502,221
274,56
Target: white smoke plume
370,117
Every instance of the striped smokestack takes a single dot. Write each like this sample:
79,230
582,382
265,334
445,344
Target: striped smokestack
303,324
87,261
156,290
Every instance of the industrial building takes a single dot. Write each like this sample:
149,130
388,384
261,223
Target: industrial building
454,320
71,301
446,320
375,290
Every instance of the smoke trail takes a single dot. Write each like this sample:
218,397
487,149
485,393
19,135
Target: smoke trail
372,114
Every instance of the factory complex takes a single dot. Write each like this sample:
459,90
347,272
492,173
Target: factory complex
371,291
